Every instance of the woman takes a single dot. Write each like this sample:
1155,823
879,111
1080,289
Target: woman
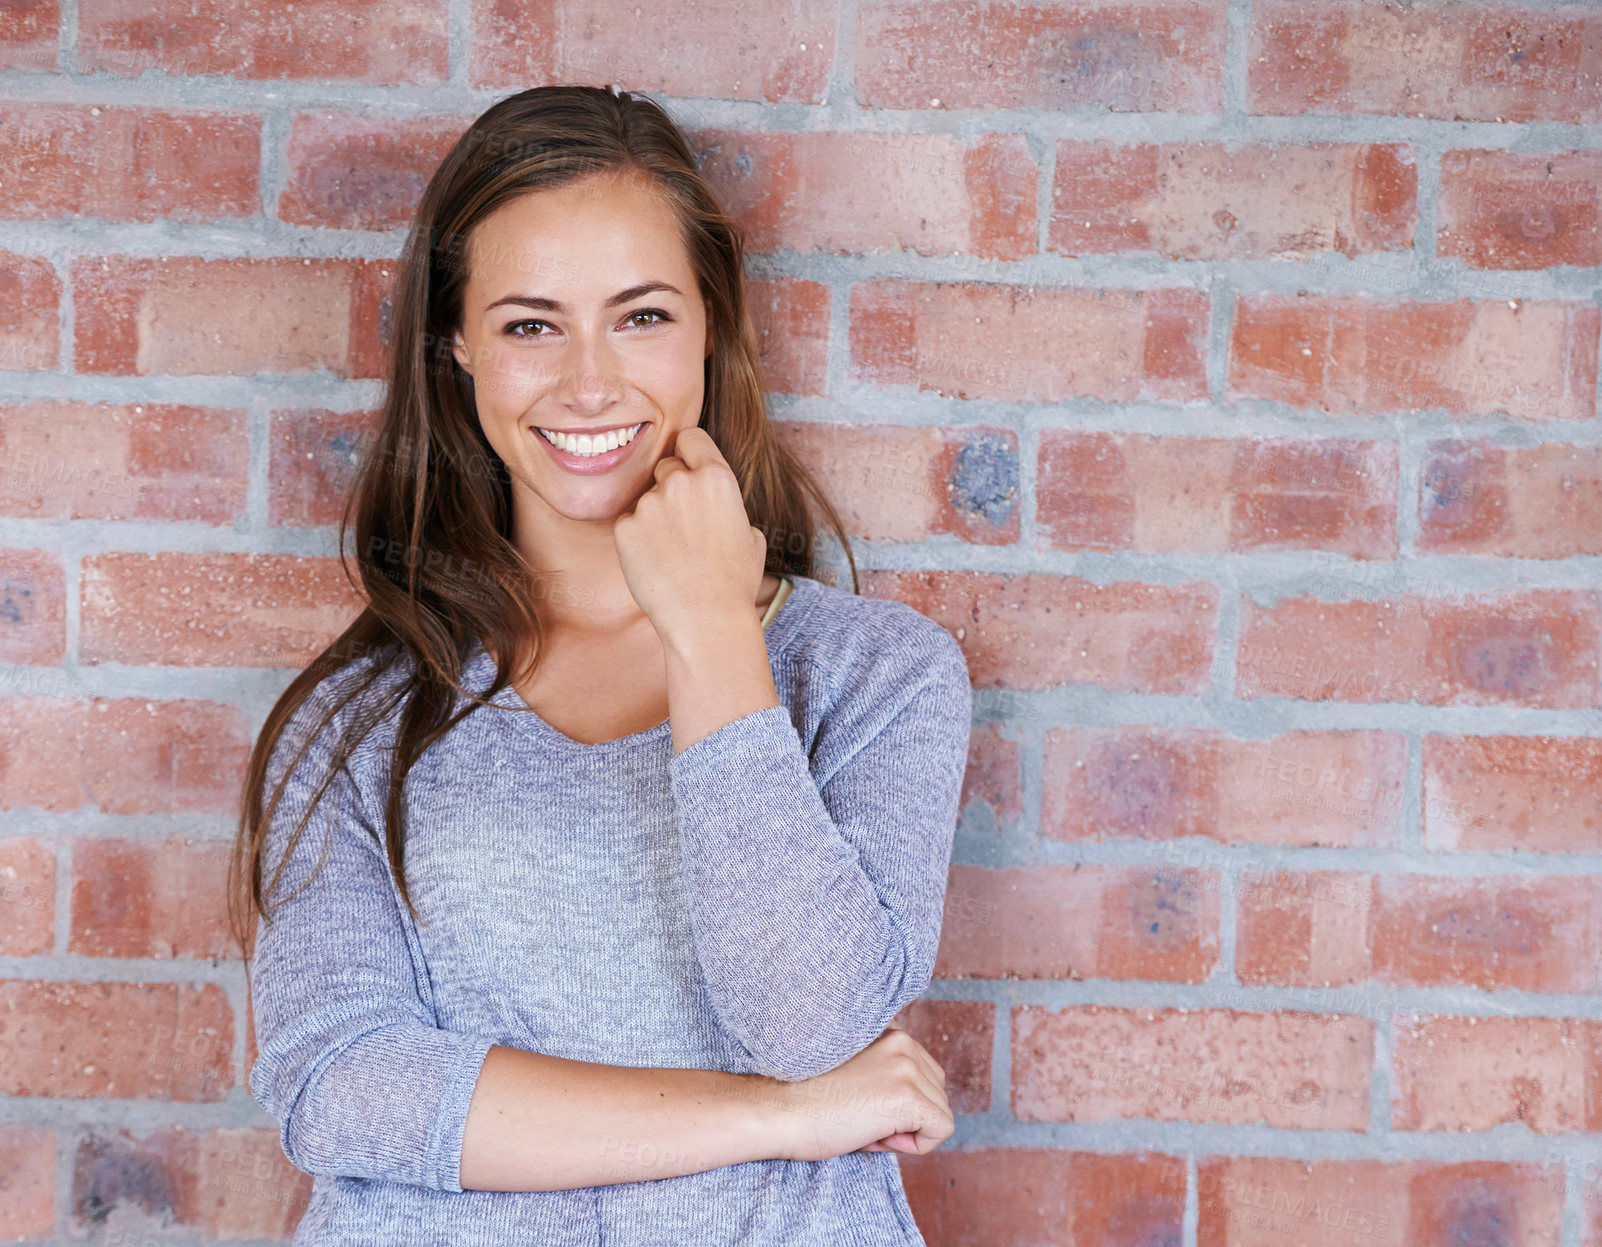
632,978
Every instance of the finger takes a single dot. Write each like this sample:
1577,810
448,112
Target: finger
929,1071
937,1071
666,466
938,1126
934,1092
934,1127
921,1054
696,447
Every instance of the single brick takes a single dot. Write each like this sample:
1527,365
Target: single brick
384,41
137,461
1298,1071
1217,201
1037,345
312,461
33,603
27,899
1515,1201
28,1194
1299,788
353,172
1046,1196
1251,1201
994,774
1076,922
1115,491
1035,631
1304,928
182,315
1260,1201
1538,935
1165,56
125,755
1541,794
1501,209
790,317
30,36
975,197
1533,502
30,333
786,49
1537,648
1473,1073
226,1183
147,164
103,1041
910,483
1531,359
212,610
1329,928
144,898
1460,62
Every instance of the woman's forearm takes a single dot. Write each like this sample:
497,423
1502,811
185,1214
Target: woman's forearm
545,1123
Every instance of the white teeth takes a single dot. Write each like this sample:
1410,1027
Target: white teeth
586,445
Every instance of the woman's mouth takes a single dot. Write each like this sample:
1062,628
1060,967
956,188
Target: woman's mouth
593,451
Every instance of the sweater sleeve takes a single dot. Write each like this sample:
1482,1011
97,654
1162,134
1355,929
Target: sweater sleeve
350,1061
816,885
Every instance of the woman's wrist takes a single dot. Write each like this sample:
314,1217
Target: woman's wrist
767,1114
719,675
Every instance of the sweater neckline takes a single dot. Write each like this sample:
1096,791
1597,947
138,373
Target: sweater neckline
479,672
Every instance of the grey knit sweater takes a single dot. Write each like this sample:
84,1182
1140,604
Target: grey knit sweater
766,901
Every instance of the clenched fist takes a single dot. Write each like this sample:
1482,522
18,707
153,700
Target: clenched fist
689,552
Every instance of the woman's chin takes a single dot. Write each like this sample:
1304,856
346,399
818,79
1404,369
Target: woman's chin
594,503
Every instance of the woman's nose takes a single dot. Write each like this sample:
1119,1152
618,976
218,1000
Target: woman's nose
590,374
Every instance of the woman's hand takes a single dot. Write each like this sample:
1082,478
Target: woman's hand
689,552
890,1097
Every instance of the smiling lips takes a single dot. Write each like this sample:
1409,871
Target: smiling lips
590,452
591,444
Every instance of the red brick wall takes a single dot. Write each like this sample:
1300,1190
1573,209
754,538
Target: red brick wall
1224,376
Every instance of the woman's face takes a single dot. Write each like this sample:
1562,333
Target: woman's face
582,316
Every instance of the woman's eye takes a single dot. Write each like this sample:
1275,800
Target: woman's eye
662,318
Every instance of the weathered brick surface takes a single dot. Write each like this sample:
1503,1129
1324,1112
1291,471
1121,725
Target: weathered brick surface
1223,378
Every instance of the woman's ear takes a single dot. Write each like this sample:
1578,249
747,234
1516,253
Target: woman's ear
459,350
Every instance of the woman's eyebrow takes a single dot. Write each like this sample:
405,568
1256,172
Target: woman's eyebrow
552,305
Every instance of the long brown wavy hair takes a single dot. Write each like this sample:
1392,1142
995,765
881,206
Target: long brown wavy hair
433,501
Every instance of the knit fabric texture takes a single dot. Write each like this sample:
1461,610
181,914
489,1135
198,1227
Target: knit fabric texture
765,902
